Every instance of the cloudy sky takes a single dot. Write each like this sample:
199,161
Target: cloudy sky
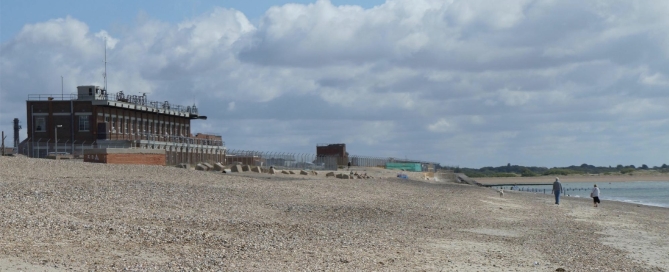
470,83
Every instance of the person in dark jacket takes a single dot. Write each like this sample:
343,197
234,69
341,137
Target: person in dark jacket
557,189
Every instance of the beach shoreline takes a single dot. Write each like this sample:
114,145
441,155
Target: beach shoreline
71,215
573,178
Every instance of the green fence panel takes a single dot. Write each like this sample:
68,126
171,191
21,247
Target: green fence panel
405,166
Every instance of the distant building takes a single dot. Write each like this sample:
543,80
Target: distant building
94,118
332,150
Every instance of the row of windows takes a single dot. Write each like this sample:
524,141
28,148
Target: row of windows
84,123
125,126
121,125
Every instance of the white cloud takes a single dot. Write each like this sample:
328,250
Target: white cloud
513,98
103,35
654,79
371,133
501,74
478,120
441,126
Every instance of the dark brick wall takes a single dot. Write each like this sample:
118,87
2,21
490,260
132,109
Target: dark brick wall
57,112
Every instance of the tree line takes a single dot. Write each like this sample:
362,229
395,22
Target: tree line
532,171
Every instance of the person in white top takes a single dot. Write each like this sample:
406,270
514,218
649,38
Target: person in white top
595,195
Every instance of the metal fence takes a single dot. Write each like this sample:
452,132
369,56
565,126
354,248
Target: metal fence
292,160
175,152
166,138
185,152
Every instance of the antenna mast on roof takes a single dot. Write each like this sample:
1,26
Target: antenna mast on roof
105,73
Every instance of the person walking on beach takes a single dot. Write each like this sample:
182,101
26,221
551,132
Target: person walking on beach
349,166
595,195
557,189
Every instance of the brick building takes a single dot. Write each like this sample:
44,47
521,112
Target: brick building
94,118
332,150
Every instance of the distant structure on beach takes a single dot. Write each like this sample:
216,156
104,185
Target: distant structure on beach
337,151
93,118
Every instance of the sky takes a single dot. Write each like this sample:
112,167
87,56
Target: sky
468,83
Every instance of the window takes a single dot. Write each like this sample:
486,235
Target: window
84,124
40,124
127,123
112,127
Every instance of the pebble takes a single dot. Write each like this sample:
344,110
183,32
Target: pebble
87,216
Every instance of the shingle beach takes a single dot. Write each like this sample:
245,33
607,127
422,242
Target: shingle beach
76,216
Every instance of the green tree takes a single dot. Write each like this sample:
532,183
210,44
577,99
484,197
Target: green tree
527,173
627,170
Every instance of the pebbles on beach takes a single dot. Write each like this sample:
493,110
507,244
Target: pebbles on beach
82,216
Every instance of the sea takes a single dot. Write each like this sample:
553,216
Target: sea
650,193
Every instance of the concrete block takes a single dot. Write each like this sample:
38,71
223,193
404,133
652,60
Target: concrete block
201,167
208,165
182,165
291,172
246,168
236,168
256,169
331,174
272,171
285,172
302,172
219,167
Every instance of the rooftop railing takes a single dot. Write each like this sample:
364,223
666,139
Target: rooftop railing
142,100
49,97
120,97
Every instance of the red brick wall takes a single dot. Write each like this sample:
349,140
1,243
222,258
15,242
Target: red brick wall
147,159
144,159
